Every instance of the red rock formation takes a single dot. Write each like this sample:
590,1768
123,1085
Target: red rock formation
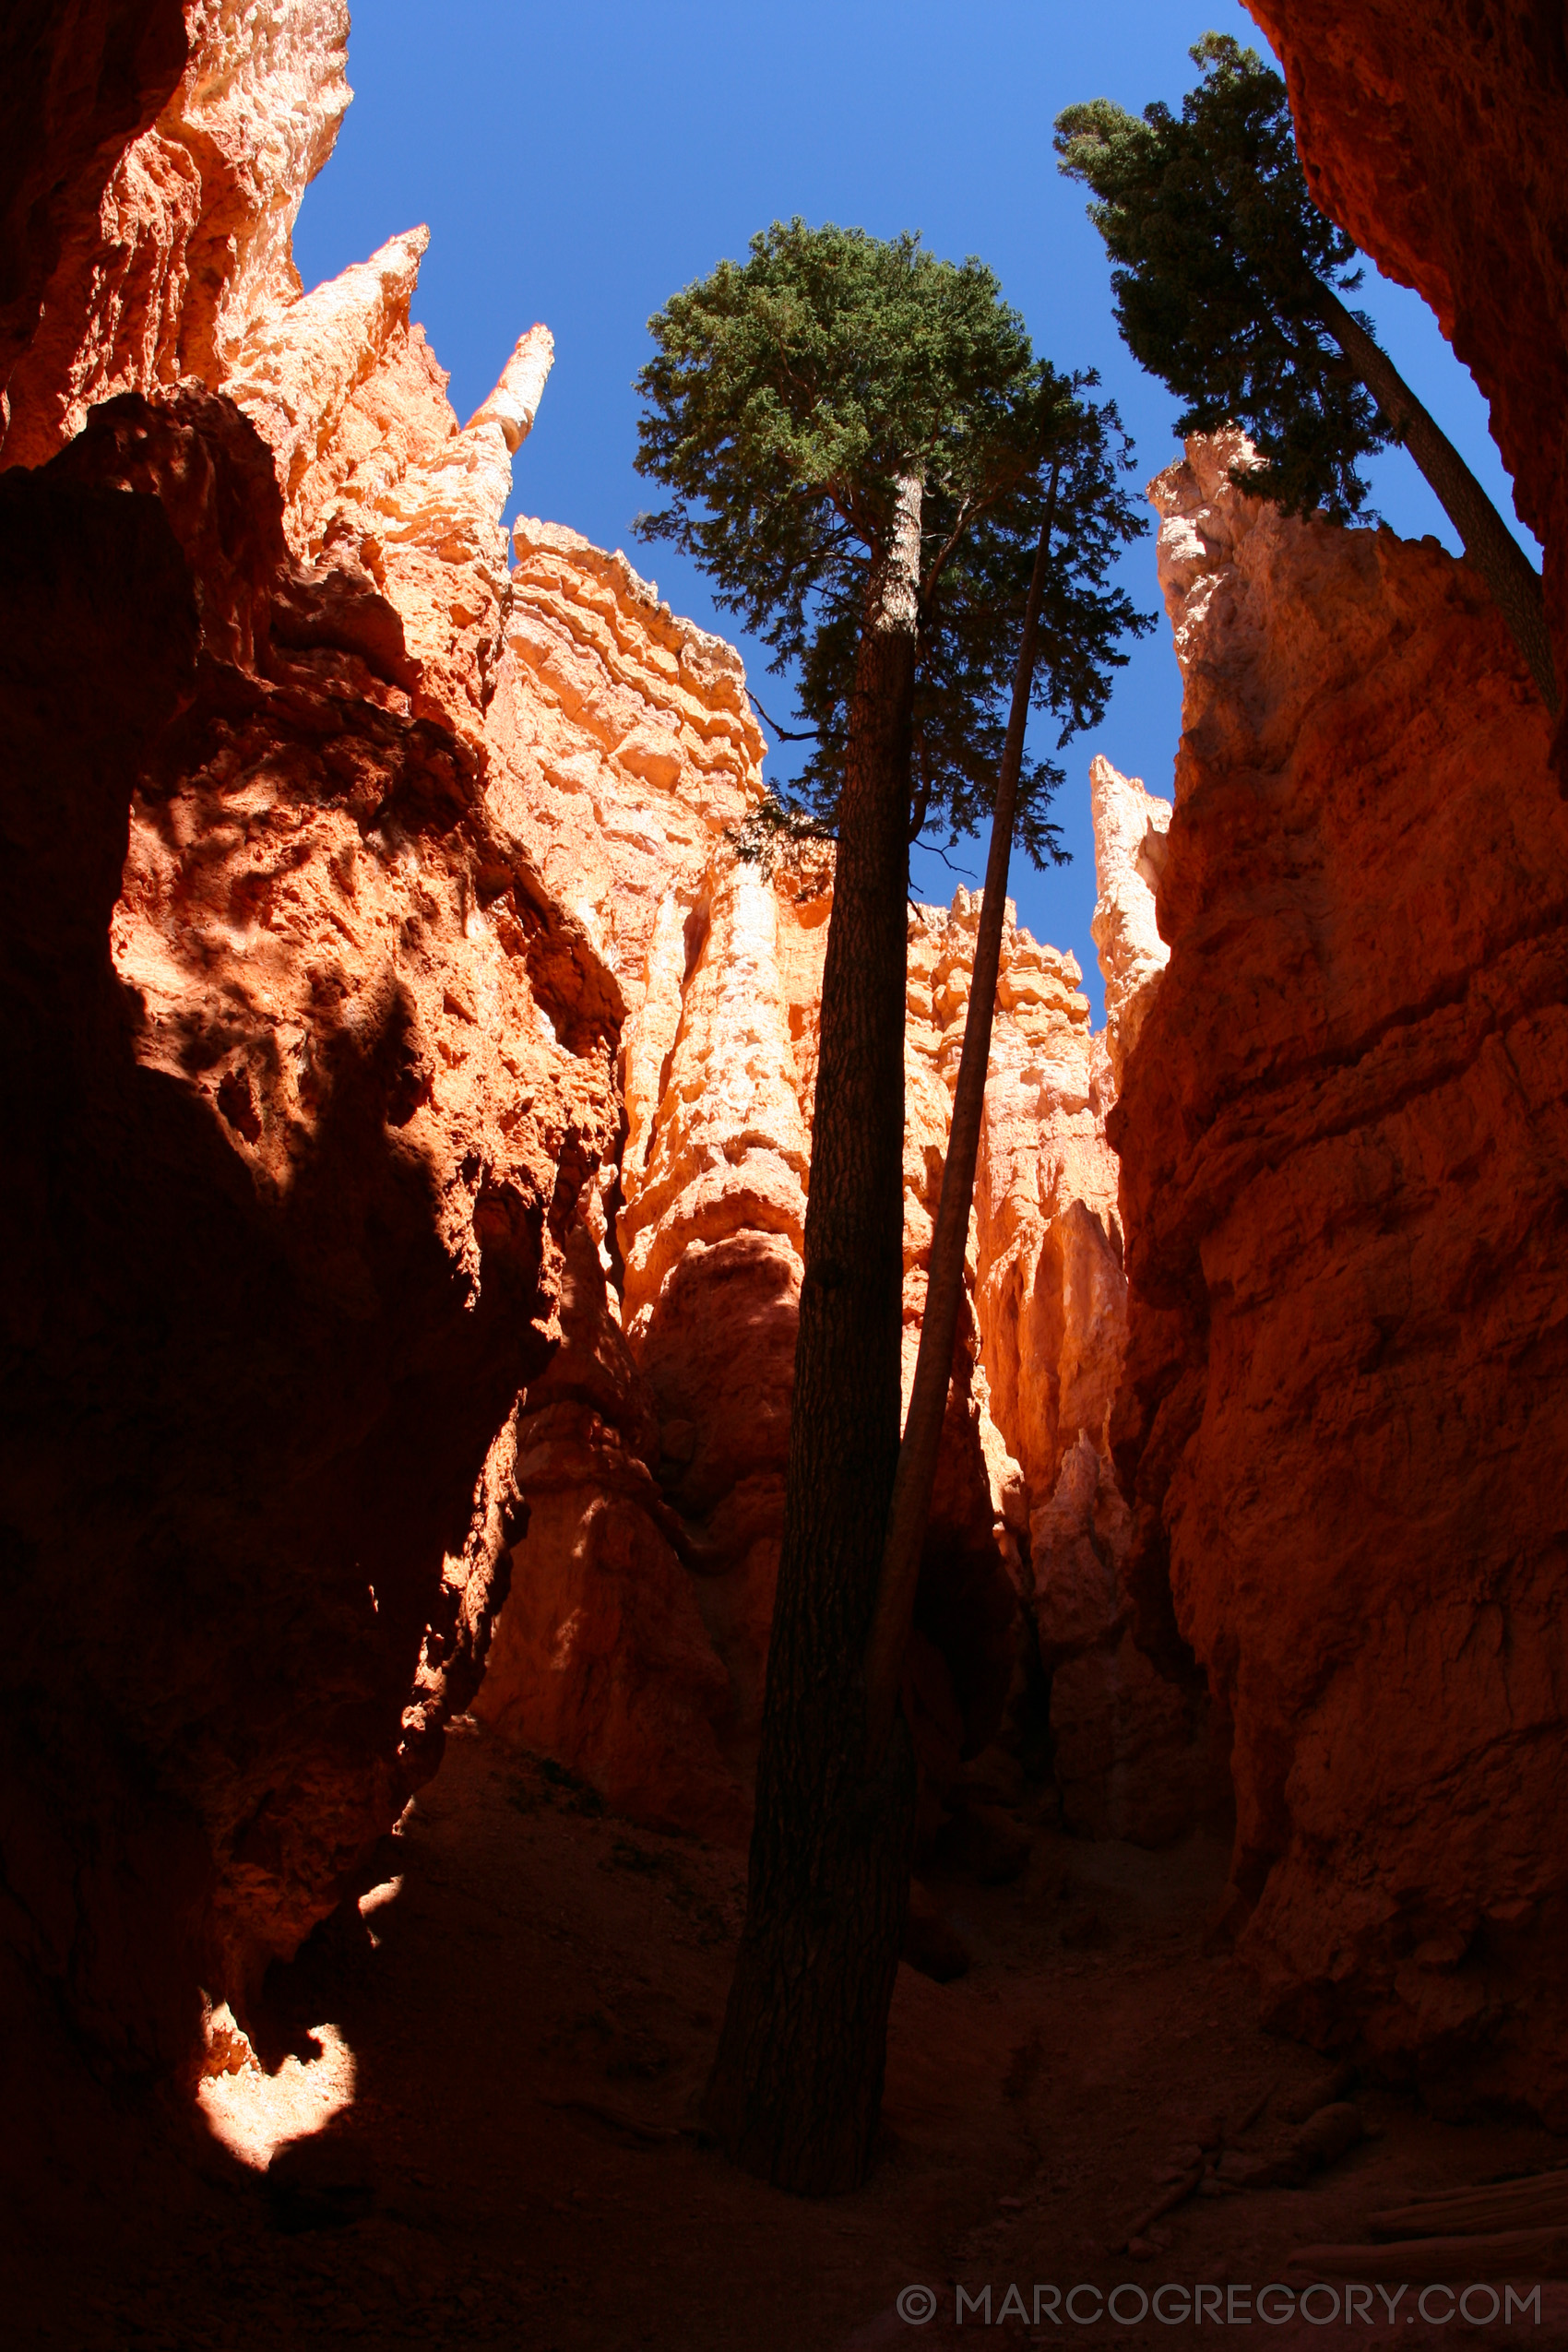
717,1072
1130,826
622,744
1131,1755
282,1238
338,858
167,262
594,1658
1434,131
601,1656
306,1068
1344,1140
79,82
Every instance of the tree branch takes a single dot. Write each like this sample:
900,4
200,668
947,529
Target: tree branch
783,734
1491,547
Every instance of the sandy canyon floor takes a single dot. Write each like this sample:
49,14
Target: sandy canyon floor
498,2060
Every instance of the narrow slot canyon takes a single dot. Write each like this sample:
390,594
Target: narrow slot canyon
410,1059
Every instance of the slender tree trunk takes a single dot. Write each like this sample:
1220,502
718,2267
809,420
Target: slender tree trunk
916,1476
797,2085
1491,547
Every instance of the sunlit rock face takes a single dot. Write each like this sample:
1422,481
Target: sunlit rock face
284,1241
78,83
169,263
1131,1743
379,479
1130,826
595,1656
722,968
623,751
1434,133
1344,1145
622,756
410,1095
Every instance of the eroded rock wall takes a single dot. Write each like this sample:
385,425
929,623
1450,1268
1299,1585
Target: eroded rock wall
1131,1750
306,1069
1344,1143
1434,130
79,80
622,749
411,1099
163,268
721,966
281,1239
718,1066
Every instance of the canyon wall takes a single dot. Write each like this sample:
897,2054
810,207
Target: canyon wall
80,80
158,268
282,1243
305,1066
1434,131
1344,1144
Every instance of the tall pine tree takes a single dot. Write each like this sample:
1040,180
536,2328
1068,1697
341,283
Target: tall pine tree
863,448
1231,285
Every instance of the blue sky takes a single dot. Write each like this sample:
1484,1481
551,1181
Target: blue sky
578,165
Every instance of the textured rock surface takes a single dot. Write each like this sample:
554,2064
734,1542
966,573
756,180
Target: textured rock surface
1130,826
182,268
306,1069
1131,1754
1344,1140
1434,131
718,1066
189,242
377,474
80,79
601,1657
622,744
383,980
281,1231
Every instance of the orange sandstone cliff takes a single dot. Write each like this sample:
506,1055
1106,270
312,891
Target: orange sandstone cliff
1344,1145
634,1645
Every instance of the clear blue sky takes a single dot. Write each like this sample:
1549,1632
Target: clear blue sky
577,164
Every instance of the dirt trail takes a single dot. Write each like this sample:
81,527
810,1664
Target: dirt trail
504,2048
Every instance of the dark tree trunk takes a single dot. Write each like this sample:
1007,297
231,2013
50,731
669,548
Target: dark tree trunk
1490,546
797,2085
916,1479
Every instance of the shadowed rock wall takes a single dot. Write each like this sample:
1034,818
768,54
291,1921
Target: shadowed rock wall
280,1244
306,1069
1344,1143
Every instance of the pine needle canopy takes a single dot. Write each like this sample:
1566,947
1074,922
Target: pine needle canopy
1219,260
788,397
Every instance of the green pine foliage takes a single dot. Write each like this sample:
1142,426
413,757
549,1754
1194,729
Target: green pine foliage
1220,257
787,395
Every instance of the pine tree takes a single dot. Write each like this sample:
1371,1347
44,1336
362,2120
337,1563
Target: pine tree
863,452
1229,286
